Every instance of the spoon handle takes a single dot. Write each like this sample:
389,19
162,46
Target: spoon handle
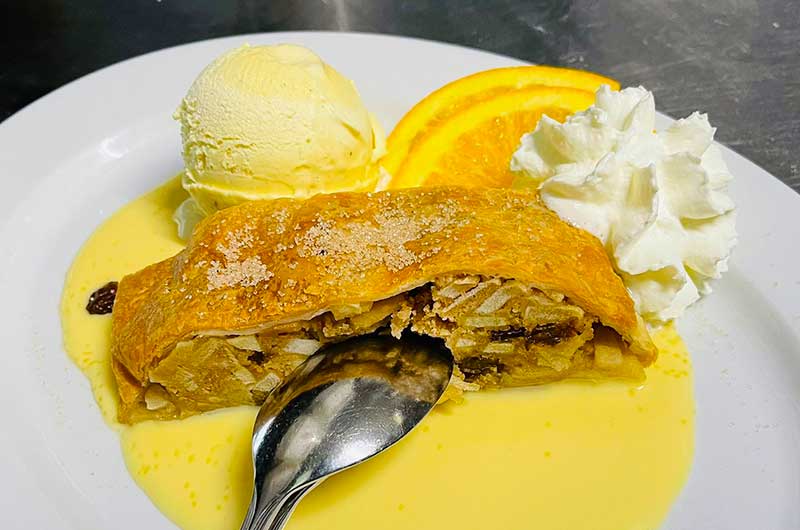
289,504
276,514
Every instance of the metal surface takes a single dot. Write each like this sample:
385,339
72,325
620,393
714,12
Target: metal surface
345,404
738,60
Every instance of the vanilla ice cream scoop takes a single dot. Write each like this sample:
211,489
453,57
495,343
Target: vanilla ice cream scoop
657,199
264,122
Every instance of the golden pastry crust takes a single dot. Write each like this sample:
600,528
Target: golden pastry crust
268,262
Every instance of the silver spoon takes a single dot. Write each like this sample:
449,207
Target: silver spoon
345,404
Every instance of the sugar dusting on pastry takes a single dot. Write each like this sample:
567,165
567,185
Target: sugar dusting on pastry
380,242
233,272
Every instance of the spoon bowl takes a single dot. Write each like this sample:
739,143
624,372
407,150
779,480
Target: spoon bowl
344,404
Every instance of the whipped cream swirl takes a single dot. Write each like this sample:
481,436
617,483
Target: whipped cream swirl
656,199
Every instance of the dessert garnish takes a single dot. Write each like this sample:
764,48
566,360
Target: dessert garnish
464,132
656,199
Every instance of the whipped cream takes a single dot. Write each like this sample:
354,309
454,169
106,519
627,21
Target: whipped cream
656,199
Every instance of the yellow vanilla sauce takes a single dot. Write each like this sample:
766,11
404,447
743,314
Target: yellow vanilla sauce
563,456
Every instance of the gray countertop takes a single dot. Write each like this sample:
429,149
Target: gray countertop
737,60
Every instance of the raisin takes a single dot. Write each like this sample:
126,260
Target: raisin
101,302
475,367
502,335
256,357
551,333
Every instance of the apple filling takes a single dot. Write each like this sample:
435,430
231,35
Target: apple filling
501,333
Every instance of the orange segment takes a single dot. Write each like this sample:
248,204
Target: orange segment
446,101
473,147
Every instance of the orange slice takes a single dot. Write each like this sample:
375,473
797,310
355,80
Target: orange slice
446,101
473,147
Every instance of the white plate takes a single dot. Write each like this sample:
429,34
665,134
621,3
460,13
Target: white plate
75,156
